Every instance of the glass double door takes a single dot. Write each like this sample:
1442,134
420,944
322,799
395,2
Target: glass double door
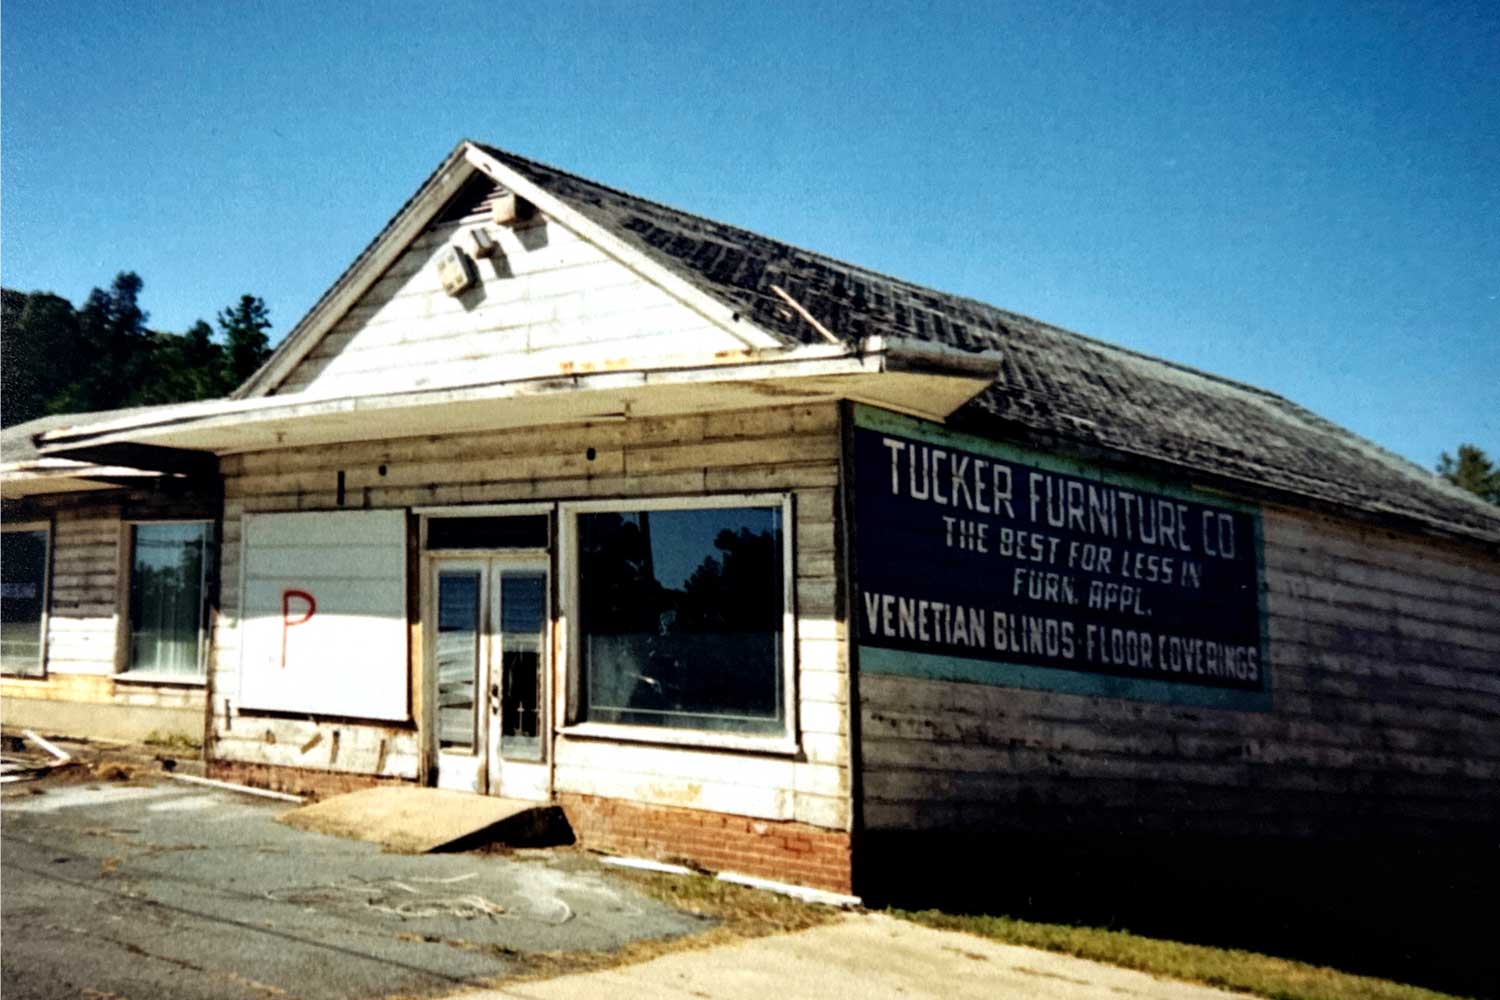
489,666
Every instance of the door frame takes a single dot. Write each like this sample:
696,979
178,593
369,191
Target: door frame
467,772
490,773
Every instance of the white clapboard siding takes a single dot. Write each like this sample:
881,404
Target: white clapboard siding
1385,676
546,296
792,449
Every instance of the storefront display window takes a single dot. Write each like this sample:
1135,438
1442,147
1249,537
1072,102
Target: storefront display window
681,618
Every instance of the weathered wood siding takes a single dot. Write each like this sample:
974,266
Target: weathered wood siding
1385,673
545,298
792,449
88,589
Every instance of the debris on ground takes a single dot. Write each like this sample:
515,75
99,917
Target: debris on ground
113,771
29,756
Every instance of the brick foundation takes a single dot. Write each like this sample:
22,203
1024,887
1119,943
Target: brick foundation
306,781
787,852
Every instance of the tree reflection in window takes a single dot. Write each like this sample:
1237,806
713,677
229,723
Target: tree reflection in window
681,618
167,610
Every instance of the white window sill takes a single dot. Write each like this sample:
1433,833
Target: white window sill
700,739
159,680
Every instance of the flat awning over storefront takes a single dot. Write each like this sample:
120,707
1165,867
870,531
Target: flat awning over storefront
913,379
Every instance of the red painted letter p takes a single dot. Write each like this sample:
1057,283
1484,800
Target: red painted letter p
286,614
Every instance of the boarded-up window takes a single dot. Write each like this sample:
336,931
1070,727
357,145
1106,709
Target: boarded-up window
323,614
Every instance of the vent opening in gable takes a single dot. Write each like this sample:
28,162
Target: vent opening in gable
470,203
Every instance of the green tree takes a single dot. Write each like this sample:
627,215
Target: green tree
185,367
39,354
246,345
57,359
1473,471
116,348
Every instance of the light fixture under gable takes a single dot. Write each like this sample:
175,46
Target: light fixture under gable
481,243
456,271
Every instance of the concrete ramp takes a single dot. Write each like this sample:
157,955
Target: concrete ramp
416,820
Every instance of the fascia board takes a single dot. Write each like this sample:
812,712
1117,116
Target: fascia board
803,362
910,354
872,355
728,319
367,268
45,476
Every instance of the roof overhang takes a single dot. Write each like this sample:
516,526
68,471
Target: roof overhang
911,377
43,476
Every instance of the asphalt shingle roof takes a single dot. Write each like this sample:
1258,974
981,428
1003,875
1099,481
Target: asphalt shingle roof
1050,381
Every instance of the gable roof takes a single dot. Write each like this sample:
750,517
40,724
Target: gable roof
1050,381
1044,384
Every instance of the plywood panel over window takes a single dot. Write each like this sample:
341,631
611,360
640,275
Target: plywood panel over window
323,611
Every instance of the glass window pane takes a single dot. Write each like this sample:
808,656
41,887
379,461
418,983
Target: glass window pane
523,605
681,618
457,657
167,572
23,599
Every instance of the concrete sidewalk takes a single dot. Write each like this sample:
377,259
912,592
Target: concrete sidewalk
869,956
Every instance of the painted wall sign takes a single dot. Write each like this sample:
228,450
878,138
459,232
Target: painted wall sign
323,614
982,562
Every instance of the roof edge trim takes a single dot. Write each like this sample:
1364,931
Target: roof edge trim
803,361
909,353
363,272
723,315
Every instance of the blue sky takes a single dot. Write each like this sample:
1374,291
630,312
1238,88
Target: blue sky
1301,196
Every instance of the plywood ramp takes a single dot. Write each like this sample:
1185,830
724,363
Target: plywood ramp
416,820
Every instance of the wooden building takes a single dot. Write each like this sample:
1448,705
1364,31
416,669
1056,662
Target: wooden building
108,588
755,558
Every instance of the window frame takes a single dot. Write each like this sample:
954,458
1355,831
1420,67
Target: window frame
570,692
425,515
45,527
123,671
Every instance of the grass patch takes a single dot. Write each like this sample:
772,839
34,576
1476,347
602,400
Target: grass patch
739,910
1228,969
730,913
173,741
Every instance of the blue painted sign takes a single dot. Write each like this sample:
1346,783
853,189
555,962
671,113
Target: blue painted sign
982,562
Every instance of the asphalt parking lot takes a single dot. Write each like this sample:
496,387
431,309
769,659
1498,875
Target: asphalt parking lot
169,890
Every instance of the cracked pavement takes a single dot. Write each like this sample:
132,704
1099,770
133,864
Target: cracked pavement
168,890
